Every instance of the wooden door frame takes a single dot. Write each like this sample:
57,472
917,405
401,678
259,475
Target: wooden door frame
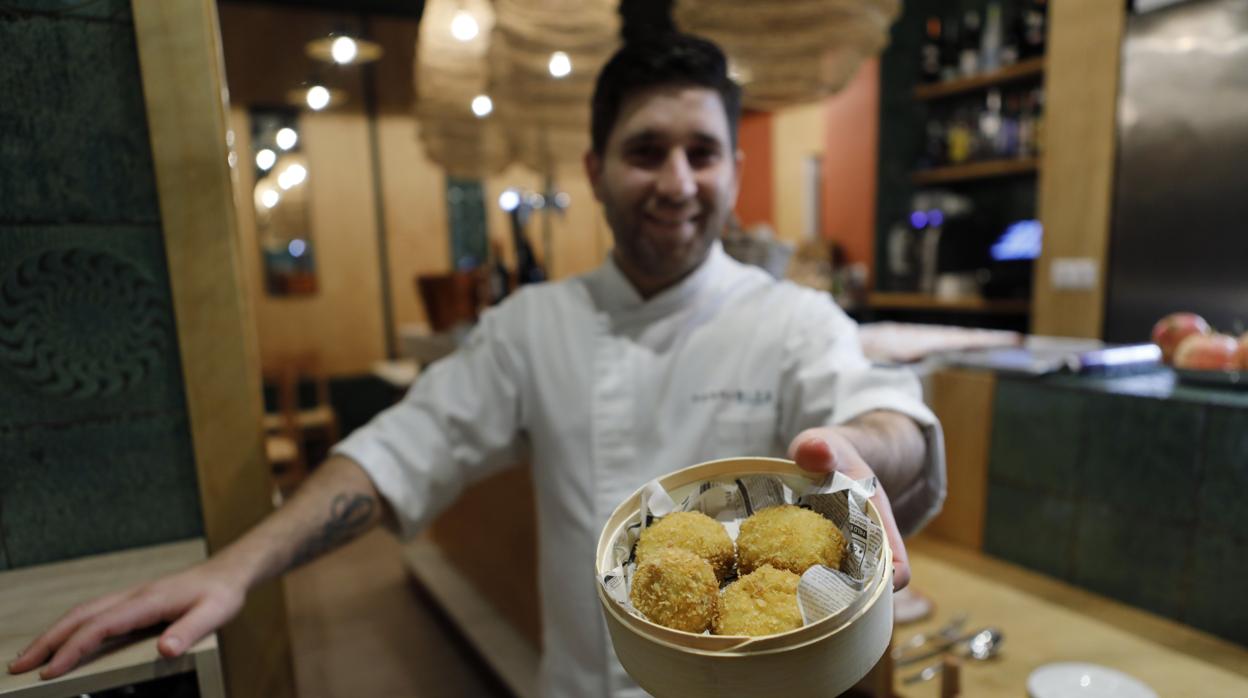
180,58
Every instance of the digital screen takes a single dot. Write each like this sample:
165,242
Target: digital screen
1021,240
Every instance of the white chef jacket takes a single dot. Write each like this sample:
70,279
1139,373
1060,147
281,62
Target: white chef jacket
609,391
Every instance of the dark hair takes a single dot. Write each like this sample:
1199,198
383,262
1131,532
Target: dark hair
667,59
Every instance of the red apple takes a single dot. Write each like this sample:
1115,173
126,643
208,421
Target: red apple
1208,352
1172,329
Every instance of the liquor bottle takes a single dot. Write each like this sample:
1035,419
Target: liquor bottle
1027,123
989,141
968,52
950,48
500,278
929,52
1009,126
1032,30
528,269
934,144
990,42
959,137
1039,116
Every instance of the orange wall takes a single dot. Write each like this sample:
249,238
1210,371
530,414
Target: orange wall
754,203
849,164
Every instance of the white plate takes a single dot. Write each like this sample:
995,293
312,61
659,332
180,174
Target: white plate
1080,680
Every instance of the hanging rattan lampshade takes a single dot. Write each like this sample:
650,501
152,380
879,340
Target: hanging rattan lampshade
794,51
450,73
547,116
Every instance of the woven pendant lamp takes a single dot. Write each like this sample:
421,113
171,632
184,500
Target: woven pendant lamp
785,53
458,125
544,58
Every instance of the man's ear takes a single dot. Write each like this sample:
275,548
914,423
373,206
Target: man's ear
593,170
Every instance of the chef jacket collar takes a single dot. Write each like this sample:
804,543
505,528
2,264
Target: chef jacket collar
614,293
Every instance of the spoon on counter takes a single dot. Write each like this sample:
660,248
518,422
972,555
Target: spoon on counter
948,631
984,640
983,645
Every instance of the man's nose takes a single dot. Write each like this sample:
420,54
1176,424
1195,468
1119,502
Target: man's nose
676,181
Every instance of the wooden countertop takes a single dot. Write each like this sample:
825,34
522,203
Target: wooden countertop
33,598
1045,621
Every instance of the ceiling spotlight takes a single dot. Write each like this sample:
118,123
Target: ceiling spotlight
509,200
482,105
269,198
343,50
265,159
318,97
560,65
292,176
464,26
286,138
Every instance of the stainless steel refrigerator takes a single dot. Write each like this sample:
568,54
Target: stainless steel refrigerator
1180,220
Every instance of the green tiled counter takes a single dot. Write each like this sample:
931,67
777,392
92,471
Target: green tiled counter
1133,487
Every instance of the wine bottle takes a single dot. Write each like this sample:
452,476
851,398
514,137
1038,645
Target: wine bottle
968,53
929,52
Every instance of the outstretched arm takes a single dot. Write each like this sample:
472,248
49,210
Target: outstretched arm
886,445
335,505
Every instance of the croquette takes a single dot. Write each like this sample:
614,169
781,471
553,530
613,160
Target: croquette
692,531
763,602
677,589
790,538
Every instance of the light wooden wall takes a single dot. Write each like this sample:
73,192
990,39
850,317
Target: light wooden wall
963,399
851,157
798,133
1076,179
342,322
180,58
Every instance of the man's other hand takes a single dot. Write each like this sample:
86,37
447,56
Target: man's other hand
196,602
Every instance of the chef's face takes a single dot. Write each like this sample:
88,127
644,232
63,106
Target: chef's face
667,179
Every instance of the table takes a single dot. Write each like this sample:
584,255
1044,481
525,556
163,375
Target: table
33,598
1045,621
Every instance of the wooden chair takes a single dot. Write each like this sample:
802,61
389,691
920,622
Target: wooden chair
288,428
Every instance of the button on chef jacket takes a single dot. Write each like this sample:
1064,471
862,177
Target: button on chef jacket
605,391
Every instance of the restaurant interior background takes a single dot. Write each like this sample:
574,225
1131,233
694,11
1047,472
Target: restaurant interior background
1071,178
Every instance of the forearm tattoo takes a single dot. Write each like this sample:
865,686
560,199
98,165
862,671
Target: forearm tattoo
349,515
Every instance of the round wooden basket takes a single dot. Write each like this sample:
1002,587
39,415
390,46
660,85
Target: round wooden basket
821,659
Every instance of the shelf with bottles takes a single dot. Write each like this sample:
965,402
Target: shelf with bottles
971,51
976,170
981,92
1027,70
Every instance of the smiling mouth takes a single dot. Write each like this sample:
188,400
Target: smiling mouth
670,222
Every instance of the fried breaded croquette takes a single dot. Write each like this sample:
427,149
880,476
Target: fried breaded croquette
790,538
676,588
692,531
763,602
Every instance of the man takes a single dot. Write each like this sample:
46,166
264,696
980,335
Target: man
668,355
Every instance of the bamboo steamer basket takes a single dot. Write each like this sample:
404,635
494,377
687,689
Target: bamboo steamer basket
824,658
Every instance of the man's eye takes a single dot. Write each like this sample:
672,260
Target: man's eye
702,157
646,155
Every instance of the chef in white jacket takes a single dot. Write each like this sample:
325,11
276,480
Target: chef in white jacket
669,354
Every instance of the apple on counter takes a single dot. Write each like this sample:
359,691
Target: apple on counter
1210,352
1171,330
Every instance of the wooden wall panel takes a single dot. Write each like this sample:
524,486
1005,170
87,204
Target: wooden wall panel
962,399
850,160
183,81
1076,179
798,133
342,321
